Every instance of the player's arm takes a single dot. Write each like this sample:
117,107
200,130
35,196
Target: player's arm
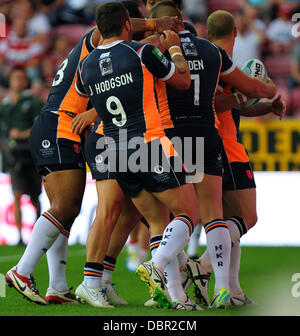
96,37
224,103
276,106
158,25
83,120
251,87
155,41
181,78
79,85
176,72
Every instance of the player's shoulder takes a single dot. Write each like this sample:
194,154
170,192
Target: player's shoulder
88,40
134,45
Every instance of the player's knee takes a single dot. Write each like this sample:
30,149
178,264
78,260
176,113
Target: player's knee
66,214
251,220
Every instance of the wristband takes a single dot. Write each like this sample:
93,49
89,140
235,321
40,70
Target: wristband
176,54
150,25
175,46
175,51
244,98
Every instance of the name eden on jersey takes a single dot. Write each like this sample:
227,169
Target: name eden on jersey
196,65
112,83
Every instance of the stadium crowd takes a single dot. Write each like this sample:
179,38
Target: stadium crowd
40,33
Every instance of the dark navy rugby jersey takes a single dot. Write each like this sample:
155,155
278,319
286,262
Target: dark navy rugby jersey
63,95
194,107
119,80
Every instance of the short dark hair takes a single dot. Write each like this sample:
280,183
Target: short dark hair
133,8
165,8
178,3
110,19
220,23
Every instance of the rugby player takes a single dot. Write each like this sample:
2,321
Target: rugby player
58,156
121,231
192,115
123,95
178,3
239,189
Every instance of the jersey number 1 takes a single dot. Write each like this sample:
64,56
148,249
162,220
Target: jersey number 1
196,79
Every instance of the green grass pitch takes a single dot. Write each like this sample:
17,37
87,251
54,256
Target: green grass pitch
265,274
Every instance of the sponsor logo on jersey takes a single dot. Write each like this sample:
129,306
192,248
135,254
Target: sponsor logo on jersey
158,54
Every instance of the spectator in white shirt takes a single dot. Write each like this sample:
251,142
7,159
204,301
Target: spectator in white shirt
279,31
249,40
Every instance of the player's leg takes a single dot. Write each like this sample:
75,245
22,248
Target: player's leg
18,213
183,204
144,237
166,187
193,246
65,204
239,209
34,187
66,190
128,220
209,193
132,260
241,203
110,203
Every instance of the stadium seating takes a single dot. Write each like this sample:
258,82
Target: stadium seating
73,31
278,67
229,5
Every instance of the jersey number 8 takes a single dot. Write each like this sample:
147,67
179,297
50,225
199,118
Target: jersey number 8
115,107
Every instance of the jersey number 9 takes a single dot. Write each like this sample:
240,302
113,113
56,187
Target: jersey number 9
114,106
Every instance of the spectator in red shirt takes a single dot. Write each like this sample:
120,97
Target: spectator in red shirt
19,50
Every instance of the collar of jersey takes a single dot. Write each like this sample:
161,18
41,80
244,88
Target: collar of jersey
106,46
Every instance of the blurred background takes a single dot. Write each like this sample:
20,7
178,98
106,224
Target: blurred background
39,34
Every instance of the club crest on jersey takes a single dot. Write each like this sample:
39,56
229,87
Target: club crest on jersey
189,49
105,64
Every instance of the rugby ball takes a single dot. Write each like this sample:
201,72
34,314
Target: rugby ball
256,69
